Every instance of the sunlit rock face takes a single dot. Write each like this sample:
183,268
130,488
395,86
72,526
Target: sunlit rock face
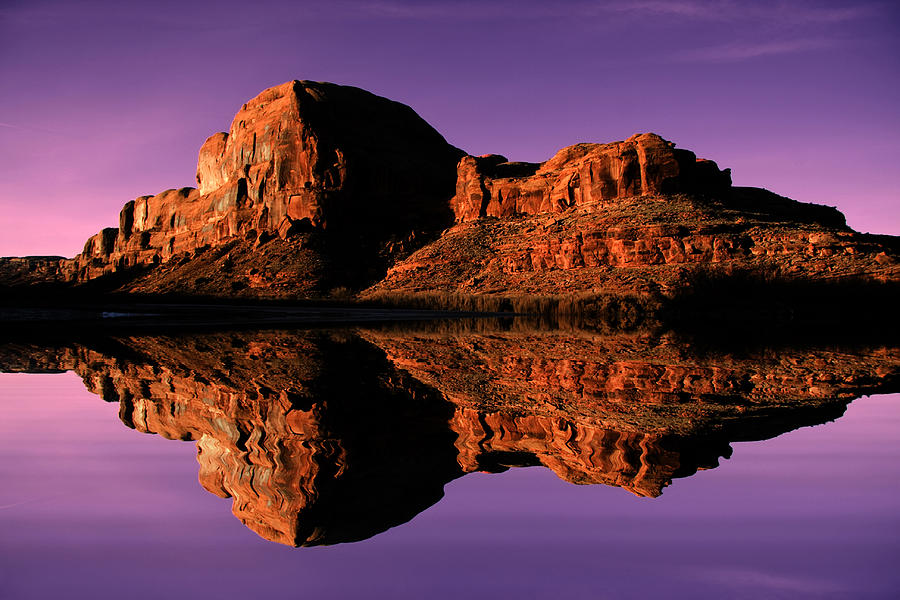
332,154
635,216
329,437
633,244
644,164
300,158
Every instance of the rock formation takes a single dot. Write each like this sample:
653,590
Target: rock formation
319,188
635,244
22,271
642,165
311,456
350,175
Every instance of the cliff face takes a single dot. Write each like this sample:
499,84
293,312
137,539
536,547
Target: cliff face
350,175
635,216
638,244
310,455
32,270
642,165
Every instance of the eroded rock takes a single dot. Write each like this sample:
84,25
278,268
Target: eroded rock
644,164
300,157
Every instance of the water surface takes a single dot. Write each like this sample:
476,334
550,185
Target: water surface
374,427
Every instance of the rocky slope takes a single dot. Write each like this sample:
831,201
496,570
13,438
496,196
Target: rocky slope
311,456
542,234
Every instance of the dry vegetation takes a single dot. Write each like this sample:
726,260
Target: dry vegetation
620,312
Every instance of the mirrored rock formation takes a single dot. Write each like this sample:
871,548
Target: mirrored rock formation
325,437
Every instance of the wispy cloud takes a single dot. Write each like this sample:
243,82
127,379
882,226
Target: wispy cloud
759,29
693,9
757,582
753,29
780,12
467,10
783,12
29,128
29,501
749,50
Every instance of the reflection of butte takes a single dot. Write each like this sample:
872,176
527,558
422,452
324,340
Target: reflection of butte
328,437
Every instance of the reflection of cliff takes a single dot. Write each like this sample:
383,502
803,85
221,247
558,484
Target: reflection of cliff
296,442
630,411
327,437
316,437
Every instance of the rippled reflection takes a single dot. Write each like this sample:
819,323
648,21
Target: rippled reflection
325,437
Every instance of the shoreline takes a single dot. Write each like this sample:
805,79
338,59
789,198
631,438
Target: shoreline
183,317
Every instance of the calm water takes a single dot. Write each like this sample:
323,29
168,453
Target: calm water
90,508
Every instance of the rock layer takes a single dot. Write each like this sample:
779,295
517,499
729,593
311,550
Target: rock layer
19,271
643,244
644,164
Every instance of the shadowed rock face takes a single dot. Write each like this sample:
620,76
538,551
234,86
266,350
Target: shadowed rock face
330,437
18,271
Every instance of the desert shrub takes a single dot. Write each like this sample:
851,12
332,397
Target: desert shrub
604,311
341,293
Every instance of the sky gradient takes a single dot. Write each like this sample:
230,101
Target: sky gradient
106,101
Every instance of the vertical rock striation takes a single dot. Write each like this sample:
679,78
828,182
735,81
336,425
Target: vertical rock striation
644,164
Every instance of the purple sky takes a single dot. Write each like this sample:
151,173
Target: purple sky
105,101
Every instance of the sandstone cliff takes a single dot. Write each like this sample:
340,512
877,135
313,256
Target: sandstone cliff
317,174
642,165
631,217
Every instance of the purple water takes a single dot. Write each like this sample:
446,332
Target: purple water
91,509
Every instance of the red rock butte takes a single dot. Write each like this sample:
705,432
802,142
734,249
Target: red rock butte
318,187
